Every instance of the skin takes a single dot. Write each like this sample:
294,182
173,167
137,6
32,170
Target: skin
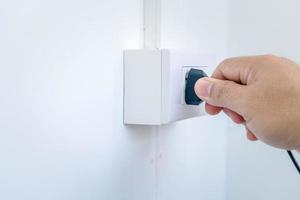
260,92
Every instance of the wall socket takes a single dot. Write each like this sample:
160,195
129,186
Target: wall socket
154,82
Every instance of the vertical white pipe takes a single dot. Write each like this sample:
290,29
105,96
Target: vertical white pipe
152,15
151,37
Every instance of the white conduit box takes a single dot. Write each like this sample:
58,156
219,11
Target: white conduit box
154,82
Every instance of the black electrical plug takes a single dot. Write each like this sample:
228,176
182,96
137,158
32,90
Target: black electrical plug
190,80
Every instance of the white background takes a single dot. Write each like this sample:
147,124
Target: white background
61,131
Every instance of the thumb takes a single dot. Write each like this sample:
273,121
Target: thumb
222,93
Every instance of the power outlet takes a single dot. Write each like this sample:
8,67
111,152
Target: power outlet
154,82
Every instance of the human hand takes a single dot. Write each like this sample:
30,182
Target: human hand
261,92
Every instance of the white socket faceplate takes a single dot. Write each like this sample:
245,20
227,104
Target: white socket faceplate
154,86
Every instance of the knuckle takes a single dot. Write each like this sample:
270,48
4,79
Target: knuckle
226,62
270,57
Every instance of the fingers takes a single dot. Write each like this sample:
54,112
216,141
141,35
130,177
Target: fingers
237,69
212,110
234,70
227,89
250,135
220,93
234,116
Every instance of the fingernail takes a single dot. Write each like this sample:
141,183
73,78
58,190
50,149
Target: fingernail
203,87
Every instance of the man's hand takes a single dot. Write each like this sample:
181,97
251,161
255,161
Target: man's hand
261,92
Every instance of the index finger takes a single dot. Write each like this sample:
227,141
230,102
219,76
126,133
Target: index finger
236,69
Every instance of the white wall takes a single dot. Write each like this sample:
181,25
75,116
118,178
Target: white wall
61,132
255,171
